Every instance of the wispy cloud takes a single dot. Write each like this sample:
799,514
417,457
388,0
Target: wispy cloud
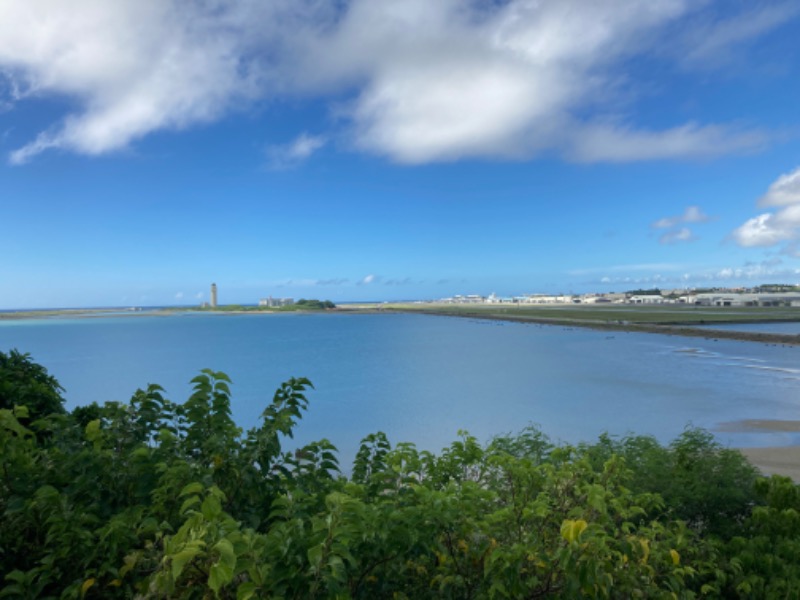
419,81
605,143
692,214
632,268
683,234
676,226
709,43
399,281
782,225
292,154
369,279
749,272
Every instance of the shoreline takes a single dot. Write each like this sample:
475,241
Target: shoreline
677,328
775,460
770,460
661,329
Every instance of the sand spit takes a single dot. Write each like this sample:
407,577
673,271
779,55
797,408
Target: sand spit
680,330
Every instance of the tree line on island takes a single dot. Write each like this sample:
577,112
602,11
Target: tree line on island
300,305
160,499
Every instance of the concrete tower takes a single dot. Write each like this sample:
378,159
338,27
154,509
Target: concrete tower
213,295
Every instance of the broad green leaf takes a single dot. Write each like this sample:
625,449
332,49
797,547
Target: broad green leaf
180,559
572,530
192,488
211,507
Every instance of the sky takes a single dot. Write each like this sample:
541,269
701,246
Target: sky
380,150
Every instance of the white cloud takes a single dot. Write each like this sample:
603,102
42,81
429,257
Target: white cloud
692,214
759,231
684,234
677,234
295,152
605,143
710,43
132,66
369,279
747,273
416,81
784,192
772,228
179,296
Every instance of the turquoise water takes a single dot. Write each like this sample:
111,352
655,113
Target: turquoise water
422,378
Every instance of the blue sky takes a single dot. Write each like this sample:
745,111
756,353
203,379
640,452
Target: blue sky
376,150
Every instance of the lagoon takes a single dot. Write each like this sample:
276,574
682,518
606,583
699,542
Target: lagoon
423,378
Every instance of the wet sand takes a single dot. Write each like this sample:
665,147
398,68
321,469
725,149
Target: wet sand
784,460
775,460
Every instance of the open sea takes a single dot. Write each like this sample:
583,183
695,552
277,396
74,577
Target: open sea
423,378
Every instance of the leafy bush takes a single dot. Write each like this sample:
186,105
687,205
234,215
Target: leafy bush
160,499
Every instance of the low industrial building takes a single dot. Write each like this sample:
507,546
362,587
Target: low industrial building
271,302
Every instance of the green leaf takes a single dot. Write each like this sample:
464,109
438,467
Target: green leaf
211,507
246,591
219,575
180,559
192,488
572,530
189,503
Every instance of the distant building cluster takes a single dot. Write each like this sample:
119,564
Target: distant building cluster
271,302
716,298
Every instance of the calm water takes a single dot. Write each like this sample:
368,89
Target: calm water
422,378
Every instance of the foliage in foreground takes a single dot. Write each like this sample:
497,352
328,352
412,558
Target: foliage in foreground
159,499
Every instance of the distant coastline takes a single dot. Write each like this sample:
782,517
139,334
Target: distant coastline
663,329
639,319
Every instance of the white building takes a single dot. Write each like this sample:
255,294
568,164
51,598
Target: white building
271,302
647,299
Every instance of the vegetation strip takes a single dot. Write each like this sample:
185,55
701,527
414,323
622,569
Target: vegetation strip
160,499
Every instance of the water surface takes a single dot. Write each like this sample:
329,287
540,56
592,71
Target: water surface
422,378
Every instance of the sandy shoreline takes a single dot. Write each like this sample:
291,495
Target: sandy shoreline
780,460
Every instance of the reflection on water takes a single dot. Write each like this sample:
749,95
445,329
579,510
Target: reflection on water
422,378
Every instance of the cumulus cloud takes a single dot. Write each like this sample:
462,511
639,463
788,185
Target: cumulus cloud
784,192
772,228
414,81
